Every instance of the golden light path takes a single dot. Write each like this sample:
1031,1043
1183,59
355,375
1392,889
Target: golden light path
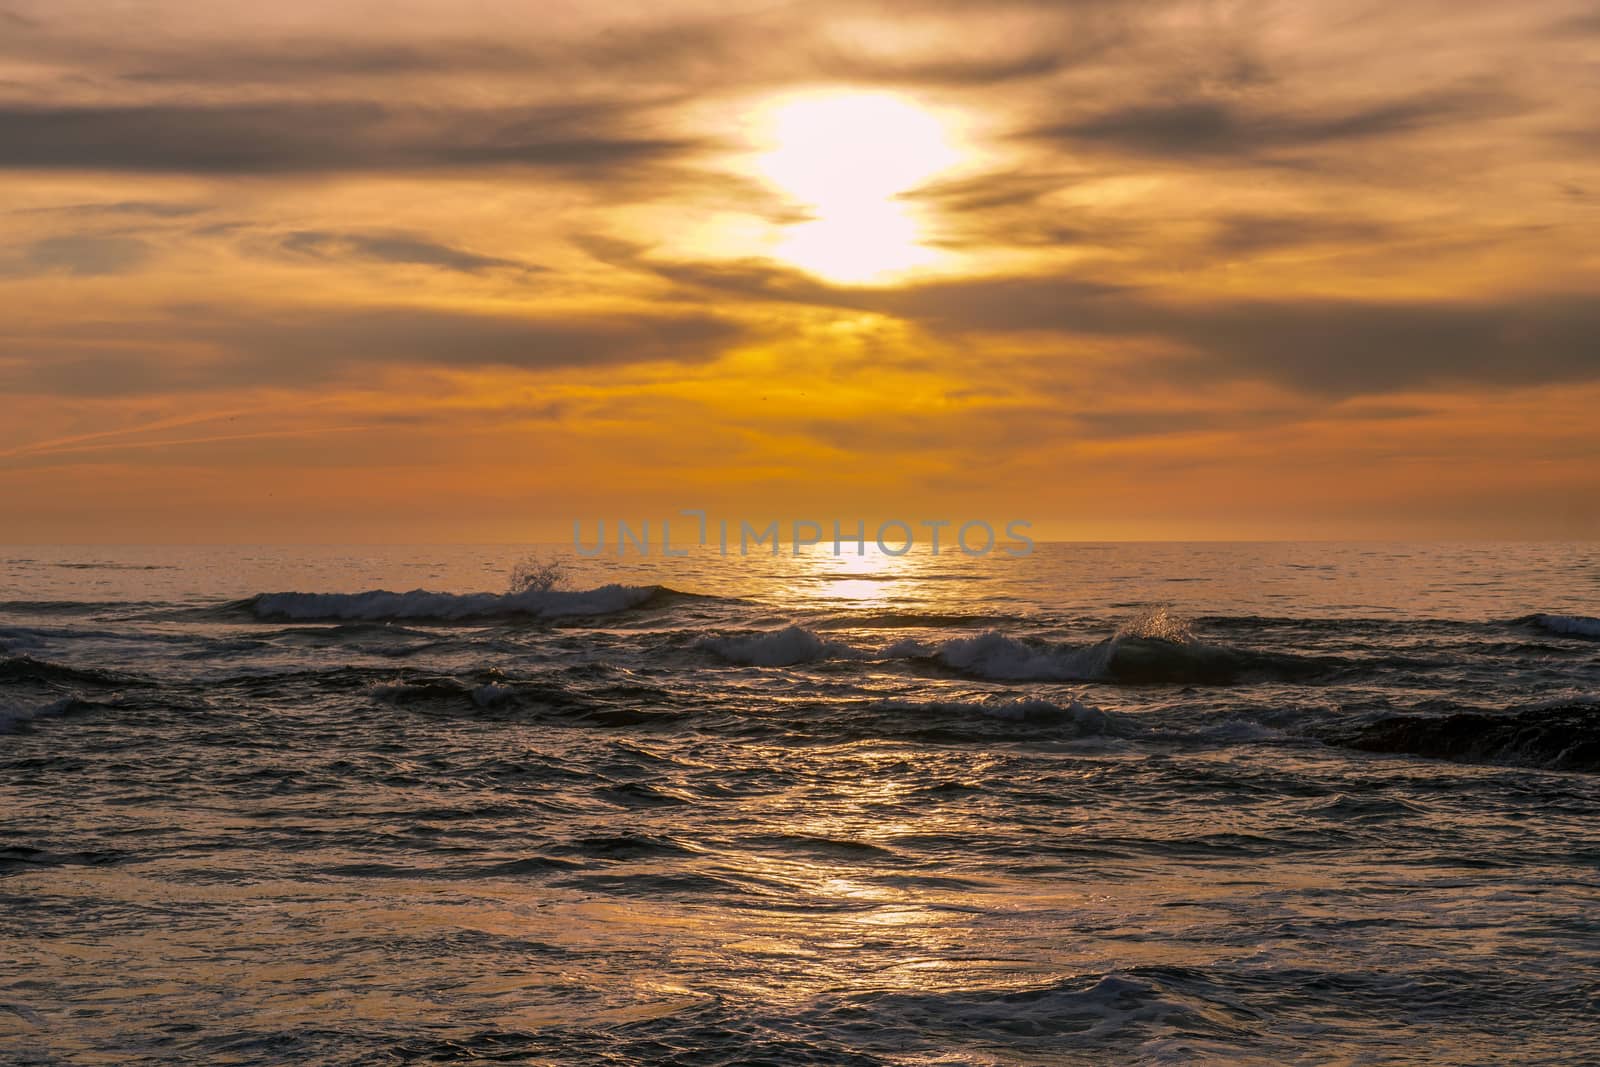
846,157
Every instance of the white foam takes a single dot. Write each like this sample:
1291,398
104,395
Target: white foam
991,655
1160,624
487,696
1570,624
778,648
381,604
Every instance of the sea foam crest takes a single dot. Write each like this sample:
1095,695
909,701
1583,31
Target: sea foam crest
1157,624
778,648
990,655
381,604
995,656
1152,649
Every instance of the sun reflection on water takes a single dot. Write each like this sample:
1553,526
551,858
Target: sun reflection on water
870,578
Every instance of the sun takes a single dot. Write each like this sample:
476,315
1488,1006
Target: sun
846,158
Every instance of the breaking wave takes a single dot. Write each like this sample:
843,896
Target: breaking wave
15,717
779,648
1125,659
1571,625
995,657
1152,649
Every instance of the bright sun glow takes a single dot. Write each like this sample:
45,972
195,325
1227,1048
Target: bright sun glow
846,158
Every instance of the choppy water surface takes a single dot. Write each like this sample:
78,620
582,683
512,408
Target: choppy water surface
1333,804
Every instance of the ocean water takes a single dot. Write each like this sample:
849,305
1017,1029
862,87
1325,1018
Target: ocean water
1108,803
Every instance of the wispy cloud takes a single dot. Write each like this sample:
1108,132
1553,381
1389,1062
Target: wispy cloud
82,255
401,248
1211,128
306,346
153,208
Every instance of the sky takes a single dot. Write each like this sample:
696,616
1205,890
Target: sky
469,271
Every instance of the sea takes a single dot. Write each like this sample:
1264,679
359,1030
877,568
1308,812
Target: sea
1141,803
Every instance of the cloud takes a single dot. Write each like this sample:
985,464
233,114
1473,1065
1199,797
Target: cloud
161,209
293,61
289,137
207,348
27,370
82,255
398,248
990,191
1322,345
1126,424
675,47
1201,128
1379,411
308,341
1243,234
1346,347
1329,346
1585,24
951,71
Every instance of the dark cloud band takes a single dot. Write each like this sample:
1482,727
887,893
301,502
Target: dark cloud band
295,137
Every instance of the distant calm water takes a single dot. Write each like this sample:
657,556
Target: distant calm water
1137,803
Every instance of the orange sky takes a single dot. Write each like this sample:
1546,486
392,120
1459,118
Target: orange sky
444,271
